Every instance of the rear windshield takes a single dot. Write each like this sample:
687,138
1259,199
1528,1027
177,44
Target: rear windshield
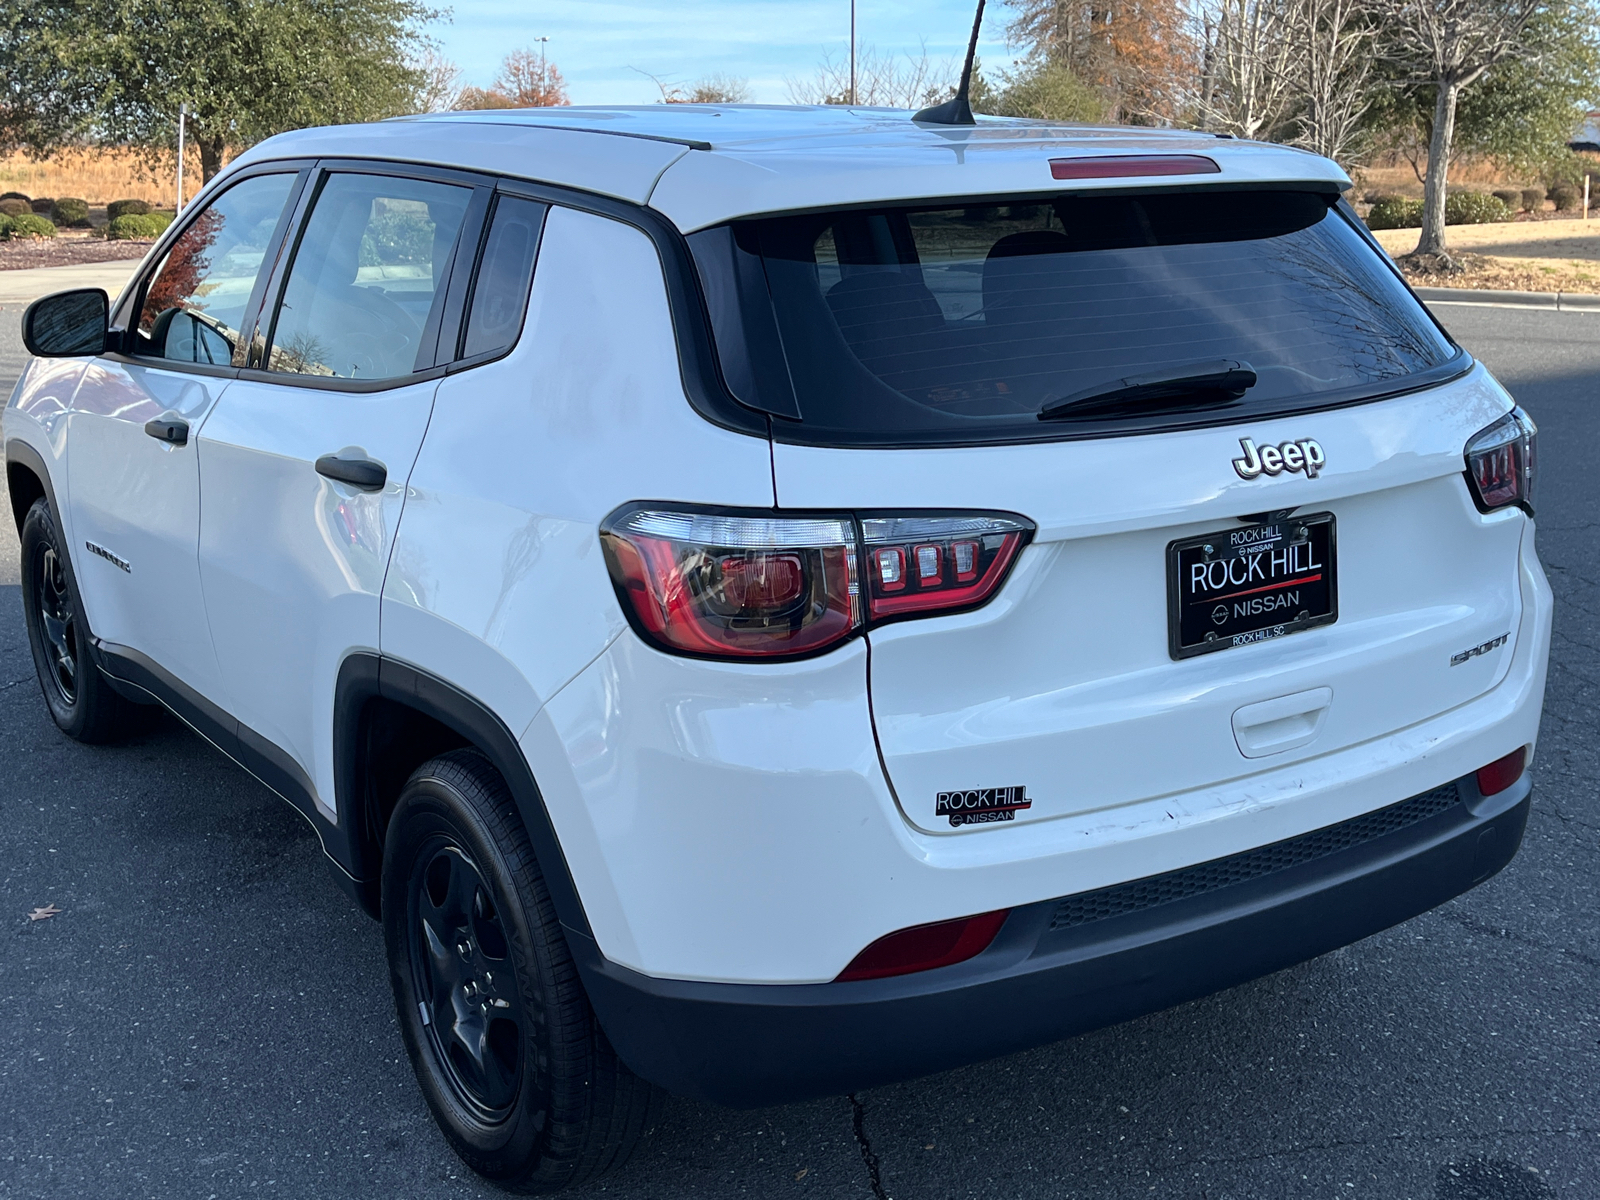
958,324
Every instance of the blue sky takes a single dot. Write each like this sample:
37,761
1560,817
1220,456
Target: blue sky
595,42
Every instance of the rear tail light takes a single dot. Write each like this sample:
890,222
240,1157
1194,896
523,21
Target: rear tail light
924,947
1501,461
924,564
735,585
1502,772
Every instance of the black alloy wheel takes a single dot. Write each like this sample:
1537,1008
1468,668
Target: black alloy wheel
460,957
58,620
81,702
505,1046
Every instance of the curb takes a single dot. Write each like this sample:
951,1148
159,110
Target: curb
1554,301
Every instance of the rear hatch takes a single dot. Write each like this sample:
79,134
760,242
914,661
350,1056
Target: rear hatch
1257,428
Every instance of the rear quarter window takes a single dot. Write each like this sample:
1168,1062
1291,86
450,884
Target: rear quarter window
947,324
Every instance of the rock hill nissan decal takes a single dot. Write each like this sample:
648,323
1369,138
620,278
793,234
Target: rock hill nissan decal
1304,455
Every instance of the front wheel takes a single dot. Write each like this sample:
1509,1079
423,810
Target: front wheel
505,1046
81,702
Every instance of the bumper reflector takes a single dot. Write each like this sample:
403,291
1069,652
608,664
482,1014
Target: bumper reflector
1502,772
924,947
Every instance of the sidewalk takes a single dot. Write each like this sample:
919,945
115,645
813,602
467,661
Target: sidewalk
1483,297
24,287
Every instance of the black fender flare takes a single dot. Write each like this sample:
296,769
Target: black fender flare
365,676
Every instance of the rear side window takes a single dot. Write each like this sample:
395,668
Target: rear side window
369,278
958,324
505,277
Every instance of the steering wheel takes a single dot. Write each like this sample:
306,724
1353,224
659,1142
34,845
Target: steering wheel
376,337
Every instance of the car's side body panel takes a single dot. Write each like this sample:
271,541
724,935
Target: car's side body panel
293,563
136,512
498,582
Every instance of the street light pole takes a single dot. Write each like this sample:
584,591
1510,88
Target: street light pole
183,114
853,51
544,71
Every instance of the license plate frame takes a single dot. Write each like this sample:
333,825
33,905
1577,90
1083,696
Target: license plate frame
1292,552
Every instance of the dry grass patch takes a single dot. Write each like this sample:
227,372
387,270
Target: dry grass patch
98,176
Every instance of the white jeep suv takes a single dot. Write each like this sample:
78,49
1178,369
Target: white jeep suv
767,602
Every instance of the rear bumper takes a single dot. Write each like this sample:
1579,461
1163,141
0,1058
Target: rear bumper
1061,967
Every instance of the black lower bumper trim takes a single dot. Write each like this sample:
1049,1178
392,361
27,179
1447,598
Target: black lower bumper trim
749,1045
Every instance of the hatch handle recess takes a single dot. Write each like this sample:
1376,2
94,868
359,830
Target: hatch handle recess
1282,723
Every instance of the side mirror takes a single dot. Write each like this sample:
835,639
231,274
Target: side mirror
67,324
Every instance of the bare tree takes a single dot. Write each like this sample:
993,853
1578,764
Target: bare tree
715,88
1332,69
530,80
1246,89
882,80
1450,44
440,88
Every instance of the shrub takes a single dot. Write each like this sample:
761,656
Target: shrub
5,227
1566,196
14,207
1510,197
13,196
69,210
1475,208
1533,198
1395,212
121,208
130,226
30,225
42,205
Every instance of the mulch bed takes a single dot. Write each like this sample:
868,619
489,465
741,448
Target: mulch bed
1465,270
22,253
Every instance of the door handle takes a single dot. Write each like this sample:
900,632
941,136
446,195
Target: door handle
168,427
365,474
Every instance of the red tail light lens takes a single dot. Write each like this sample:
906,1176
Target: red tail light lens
734,586
1501,461
758,585
927,564
1502,772
924,947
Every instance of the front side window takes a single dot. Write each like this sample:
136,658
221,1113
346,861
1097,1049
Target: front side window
368,278
960,324
195,303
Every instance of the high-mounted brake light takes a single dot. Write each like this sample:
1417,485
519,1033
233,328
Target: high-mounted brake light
732,584
1501,461
1121,166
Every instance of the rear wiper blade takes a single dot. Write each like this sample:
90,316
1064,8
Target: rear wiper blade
1196,382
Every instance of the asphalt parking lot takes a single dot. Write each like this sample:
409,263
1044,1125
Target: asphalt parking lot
209,1017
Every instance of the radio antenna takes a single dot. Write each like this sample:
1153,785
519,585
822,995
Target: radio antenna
959,110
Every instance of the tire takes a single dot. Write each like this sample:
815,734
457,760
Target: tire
81,702
534,1098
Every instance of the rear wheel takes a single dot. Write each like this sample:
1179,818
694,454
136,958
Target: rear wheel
505,1046
80,700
